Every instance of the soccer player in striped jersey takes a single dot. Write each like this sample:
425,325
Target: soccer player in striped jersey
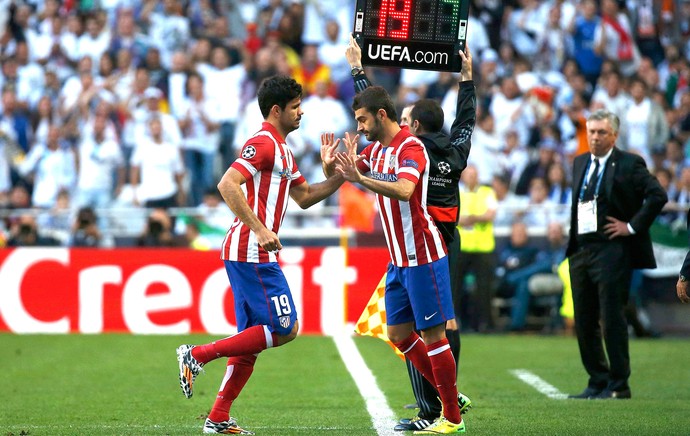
264,308
417,280
447,159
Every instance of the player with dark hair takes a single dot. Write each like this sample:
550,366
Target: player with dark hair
417,293
264,308
447,158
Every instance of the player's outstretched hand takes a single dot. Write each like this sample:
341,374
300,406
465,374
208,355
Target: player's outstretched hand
329,145
351,144
466,56
347,166
353,53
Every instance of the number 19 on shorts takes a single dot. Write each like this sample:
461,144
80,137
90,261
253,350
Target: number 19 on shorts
282,304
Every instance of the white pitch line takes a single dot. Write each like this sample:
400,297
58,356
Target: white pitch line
381,414
538,383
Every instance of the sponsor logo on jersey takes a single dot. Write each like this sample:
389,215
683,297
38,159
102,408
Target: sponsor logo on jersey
384,177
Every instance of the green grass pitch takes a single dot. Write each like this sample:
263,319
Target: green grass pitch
127,385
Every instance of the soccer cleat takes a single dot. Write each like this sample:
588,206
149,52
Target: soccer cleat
415,423
464,403
189,369
443,426
224,427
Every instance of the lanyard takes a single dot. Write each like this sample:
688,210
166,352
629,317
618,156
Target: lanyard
596,188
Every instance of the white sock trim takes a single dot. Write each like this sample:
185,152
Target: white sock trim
411,346
228,373
269,337
439,350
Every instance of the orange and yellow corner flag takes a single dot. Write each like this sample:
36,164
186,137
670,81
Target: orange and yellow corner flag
372,321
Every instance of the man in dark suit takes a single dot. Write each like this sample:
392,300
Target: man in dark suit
615,200
682,284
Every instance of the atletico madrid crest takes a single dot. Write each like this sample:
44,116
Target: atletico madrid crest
284,321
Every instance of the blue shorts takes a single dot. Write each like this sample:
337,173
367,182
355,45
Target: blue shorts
262,296
420,294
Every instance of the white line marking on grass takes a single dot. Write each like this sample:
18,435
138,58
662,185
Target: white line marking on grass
538,383
381,414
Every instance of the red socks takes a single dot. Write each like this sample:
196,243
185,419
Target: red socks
443,365
250,341
436,363
415,351
236,375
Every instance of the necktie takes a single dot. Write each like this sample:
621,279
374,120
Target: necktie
592,183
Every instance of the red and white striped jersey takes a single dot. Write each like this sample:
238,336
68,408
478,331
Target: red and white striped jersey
270,169
413,238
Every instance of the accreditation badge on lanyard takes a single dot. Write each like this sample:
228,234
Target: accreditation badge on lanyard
587,217
587,210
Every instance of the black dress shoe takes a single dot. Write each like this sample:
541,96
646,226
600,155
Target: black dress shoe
587,394
614,395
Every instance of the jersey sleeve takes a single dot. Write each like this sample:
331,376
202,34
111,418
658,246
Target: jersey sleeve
298,178
364,166
256,155
412,161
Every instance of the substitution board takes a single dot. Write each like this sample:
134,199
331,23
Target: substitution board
417,34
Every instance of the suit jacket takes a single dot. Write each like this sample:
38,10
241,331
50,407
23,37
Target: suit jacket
631,193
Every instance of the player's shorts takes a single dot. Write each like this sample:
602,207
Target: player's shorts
420,294
262,296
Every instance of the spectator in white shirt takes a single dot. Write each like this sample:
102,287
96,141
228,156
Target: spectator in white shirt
95,41
325,114
611,94
508,204
644,125
540,211
52,167
614,39
151,108
124,75
177,82
129,108
157,170
69,41
169,29
41,119
486,147
31,78
75,85
100,161
513,157
510,111
50,10
331,53
214,211
224,83
525,26
198,118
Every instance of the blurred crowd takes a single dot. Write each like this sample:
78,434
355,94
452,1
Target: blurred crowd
108,104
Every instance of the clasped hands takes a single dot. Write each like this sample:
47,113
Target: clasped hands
341,162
